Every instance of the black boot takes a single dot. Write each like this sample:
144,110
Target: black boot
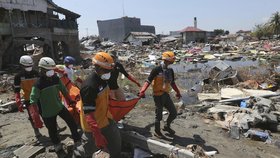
157,130
168,129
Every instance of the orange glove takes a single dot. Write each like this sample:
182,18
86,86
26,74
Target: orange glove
178,94
34,112
134,80
100,140
18,102
141,94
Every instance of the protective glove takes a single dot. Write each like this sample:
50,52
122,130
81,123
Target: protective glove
141,93
18,102
178,94
100,140
134,80
70,101
34,113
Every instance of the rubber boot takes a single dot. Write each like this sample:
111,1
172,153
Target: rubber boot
157,130
168,129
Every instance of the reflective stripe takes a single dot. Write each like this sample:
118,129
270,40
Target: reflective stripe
17,86
109,66
92,108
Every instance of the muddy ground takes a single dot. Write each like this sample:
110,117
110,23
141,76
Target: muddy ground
191,128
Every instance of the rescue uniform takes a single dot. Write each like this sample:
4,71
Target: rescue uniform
46,90
24,80
161,80
95,98
116,91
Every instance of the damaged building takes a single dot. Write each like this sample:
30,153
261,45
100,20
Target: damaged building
193,34
36,24
117,29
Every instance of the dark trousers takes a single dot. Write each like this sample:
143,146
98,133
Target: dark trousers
113,136
161,101
51,125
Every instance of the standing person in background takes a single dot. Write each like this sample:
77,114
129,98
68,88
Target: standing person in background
115,91
163,79
96,118
46,90
24,80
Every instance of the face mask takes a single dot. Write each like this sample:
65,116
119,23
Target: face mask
28,69
50,73
70,66
106,76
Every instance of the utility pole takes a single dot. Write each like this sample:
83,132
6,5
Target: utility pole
123,8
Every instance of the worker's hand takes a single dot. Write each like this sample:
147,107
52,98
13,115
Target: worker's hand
72,103
141,95
178,95
20,108
18,102
34,113
100,140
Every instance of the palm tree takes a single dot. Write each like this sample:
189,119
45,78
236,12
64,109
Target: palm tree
275,23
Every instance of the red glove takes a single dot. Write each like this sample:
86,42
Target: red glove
178,94
18,102
133,80
70,101
143,89
34,112
100,140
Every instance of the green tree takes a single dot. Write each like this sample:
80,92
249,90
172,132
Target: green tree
275,23
219,32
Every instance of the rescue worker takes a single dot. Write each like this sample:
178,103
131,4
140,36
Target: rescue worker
162,79
97,118
46,90
67,69
24,80
115,91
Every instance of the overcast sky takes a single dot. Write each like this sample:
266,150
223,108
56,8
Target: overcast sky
172,15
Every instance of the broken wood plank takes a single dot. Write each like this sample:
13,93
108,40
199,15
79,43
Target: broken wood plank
29,151
245,98
154,146
8,107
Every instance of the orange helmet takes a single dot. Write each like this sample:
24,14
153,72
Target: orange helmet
169,56
103,60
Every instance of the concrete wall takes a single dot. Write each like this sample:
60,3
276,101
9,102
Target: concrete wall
146,28
111,29
194,36
5,29
25,5
117,29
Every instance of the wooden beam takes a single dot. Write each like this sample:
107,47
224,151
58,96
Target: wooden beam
154,146
29,151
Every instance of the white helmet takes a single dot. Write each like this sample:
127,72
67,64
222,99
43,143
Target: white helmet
47,63
26,60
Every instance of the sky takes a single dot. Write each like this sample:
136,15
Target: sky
173,15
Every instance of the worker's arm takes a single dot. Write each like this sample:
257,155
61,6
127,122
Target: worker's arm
89,95
151,77
17,88
33,107
124,72
174,86
66,94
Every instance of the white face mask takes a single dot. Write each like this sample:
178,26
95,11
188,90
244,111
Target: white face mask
28,69
50,73
70,66
106,76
